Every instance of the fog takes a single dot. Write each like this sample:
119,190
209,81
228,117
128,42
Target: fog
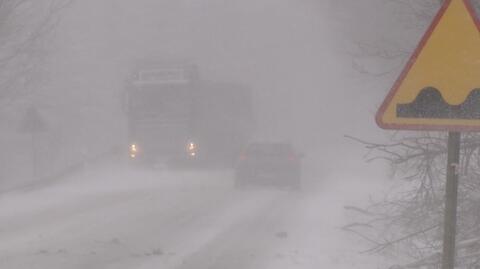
80,191
288,53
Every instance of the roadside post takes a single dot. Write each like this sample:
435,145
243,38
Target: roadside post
33,124
439,90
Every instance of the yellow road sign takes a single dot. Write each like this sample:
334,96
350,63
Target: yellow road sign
439,89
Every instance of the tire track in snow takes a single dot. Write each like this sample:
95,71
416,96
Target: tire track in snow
203,227
60,219
247,243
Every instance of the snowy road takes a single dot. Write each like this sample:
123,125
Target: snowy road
116,218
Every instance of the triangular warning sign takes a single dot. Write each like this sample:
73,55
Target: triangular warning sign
439,89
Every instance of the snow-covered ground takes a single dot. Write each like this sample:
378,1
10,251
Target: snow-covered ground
112,217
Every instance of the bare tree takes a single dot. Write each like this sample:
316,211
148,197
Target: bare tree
25,28
409,220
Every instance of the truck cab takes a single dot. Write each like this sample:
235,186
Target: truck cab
176,118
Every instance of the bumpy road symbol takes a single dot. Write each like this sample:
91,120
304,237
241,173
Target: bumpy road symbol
439,89
429,104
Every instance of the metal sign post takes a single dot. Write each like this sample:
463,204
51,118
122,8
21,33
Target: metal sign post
450,218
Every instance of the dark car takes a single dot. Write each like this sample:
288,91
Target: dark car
274,164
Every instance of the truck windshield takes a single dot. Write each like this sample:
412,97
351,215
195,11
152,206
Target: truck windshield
160,102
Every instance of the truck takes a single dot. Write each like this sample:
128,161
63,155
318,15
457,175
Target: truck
176,118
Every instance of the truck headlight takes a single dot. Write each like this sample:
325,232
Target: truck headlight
192,149
133,151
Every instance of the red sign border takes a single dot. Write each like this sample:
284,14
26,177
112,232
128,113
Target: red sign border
406,70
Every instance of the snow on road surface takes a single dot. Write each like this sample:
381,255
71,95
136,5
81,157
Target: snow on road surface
117,218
